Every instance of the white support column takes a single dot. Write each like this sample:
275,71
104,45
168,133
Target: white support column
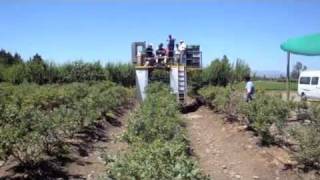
142,82
174,83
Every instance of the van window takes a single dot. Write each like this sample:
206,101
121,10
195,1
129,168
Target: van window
305,80
315,80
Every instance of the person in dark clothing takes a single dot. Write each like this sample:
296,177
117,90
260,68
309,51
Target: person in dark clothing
149,51
149,55
161,53
171,44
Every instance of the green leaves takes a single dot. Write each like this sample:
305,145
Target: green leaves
262,112
158,149
35,120
37,70
158,160
308,138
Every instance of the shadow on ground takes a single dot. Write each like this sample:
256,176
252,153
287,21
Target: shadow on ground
54,167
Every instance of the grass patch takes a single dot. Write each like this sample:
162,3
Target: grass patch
270,85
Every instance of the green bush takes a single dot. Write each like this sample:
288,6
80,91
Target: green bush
240,70
195,81
123,74
222,99
35,120
80,72
15,74
218,72
36,70
157,118
263,112
158,149
160,75
308,138
158,160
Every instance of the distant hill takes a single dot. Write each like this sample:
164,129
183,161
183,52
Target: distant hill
270,74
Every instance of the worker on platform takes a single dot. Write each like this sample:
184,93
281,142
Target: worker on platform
182,49
161,54
250,89
150,60
139,58
171,43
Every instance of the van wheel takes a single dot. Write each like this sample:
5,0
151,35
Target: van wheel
303,96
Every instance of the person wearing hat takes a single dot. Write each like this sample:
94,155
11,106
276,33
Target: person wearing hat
182,48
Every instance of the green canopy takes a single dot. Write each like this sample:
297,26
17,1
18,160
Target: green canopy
306,45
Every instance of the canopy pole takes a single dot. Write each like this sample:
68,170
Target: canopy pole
288,76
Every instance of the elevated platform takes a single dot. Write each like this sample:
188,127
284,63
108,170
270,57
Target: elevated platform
175,62
168,67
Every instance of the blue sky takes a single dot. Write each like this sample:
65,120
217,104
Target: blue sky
64,31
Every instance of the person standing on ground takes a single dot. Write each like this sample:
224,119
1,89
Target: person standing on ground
250,89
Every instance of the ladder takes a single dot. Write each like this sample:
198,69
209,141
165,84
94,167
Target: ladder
182,83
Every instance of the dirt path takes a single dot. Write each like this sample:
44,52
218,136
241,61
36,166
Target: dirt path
90,162
225,151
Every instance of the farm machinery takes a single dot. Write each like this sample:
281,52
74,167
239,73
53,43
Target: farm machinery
177,64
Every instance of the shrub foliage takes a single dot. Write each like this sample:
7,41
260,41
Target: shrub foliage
36,70
158,149
308,138
260,114
36,120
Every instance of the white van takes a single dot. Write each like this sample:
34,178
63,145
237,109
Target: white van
309,86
